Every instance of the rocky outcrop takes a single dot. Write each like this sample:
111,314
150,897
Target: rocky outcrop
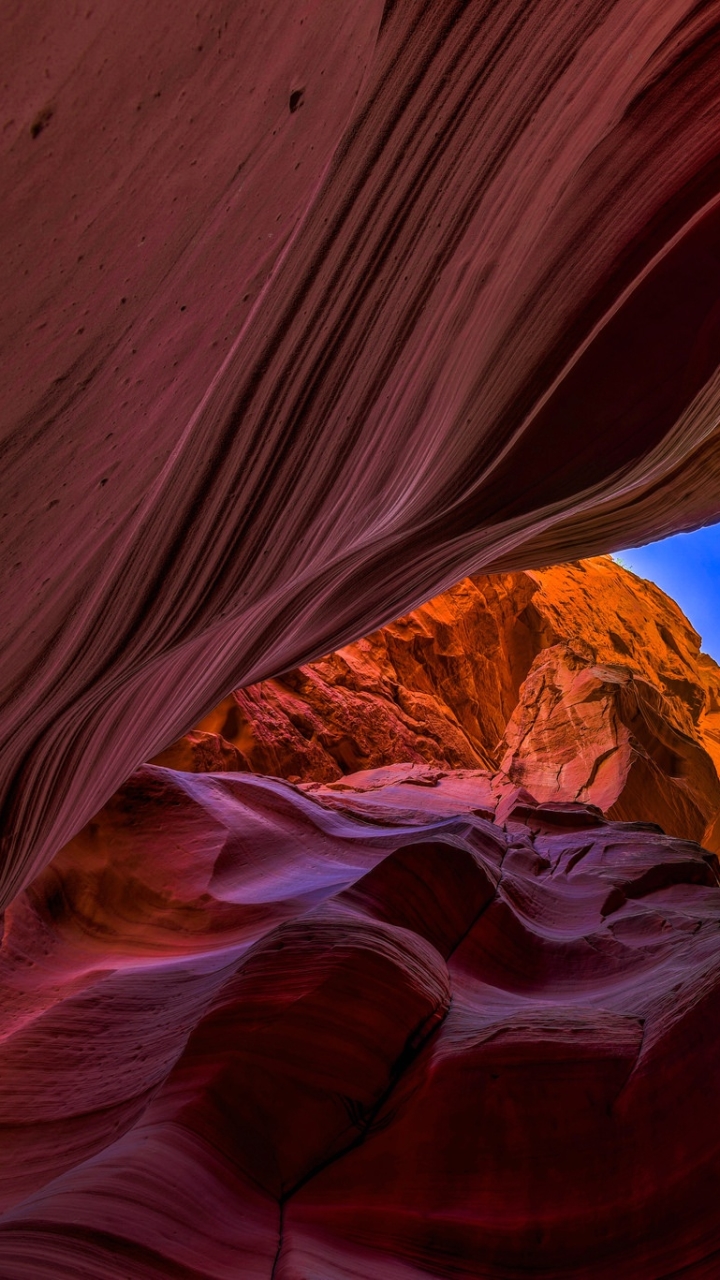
602,735
629,623
437,686
311,311
619,709
247,1027
580,682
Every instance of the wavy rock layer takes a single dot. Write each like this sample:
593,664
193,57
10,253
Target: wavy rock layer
581,682
312,311
249,1031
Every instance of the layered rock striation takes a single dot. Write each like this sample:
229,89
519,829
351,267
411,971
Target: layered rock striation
308,315
313,310
248,1029
417,1019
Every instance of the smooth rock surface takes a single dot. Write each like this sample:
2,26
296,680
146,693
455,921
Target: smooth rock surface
310,312
312,309
248,1030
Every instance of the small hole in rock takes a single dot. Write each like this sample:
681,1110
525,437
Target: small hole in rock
296,99
42,120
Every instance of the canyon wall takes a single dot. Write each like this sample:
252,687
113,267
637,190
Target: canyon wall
416,1018
313,310
310,312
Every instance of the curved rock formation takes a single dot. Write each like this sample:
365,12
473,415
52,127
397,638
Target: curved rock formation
313,311
246,1032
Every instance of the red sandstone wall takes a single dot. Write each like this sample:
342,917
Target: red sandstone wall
312,311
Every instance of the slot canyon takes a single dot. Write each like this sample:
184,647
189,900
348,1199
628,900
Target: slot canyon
360,811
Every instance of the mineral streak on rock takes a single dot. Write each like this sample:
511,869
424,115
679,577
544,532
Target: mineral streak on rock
313,309
580,682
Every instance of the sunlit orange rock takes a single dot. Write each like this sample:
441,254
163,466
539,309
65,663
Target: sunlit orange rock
437,686
602,735
581,681
628,622
621,712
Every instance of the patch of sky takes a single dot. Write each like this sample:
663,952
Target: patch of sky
687,568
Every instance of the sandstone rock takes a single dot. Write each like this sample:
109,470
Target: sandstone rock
245,1029
629,622
311,312
201,752
437,687
581,681
603,735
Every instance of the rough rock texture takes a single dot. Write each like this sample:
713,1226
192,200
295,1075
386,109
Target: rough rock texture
437,686
629,623
600,734
579,682
248,1031
312,309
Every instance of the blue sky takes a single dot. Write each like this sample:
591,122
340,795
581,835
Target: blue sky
687,567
